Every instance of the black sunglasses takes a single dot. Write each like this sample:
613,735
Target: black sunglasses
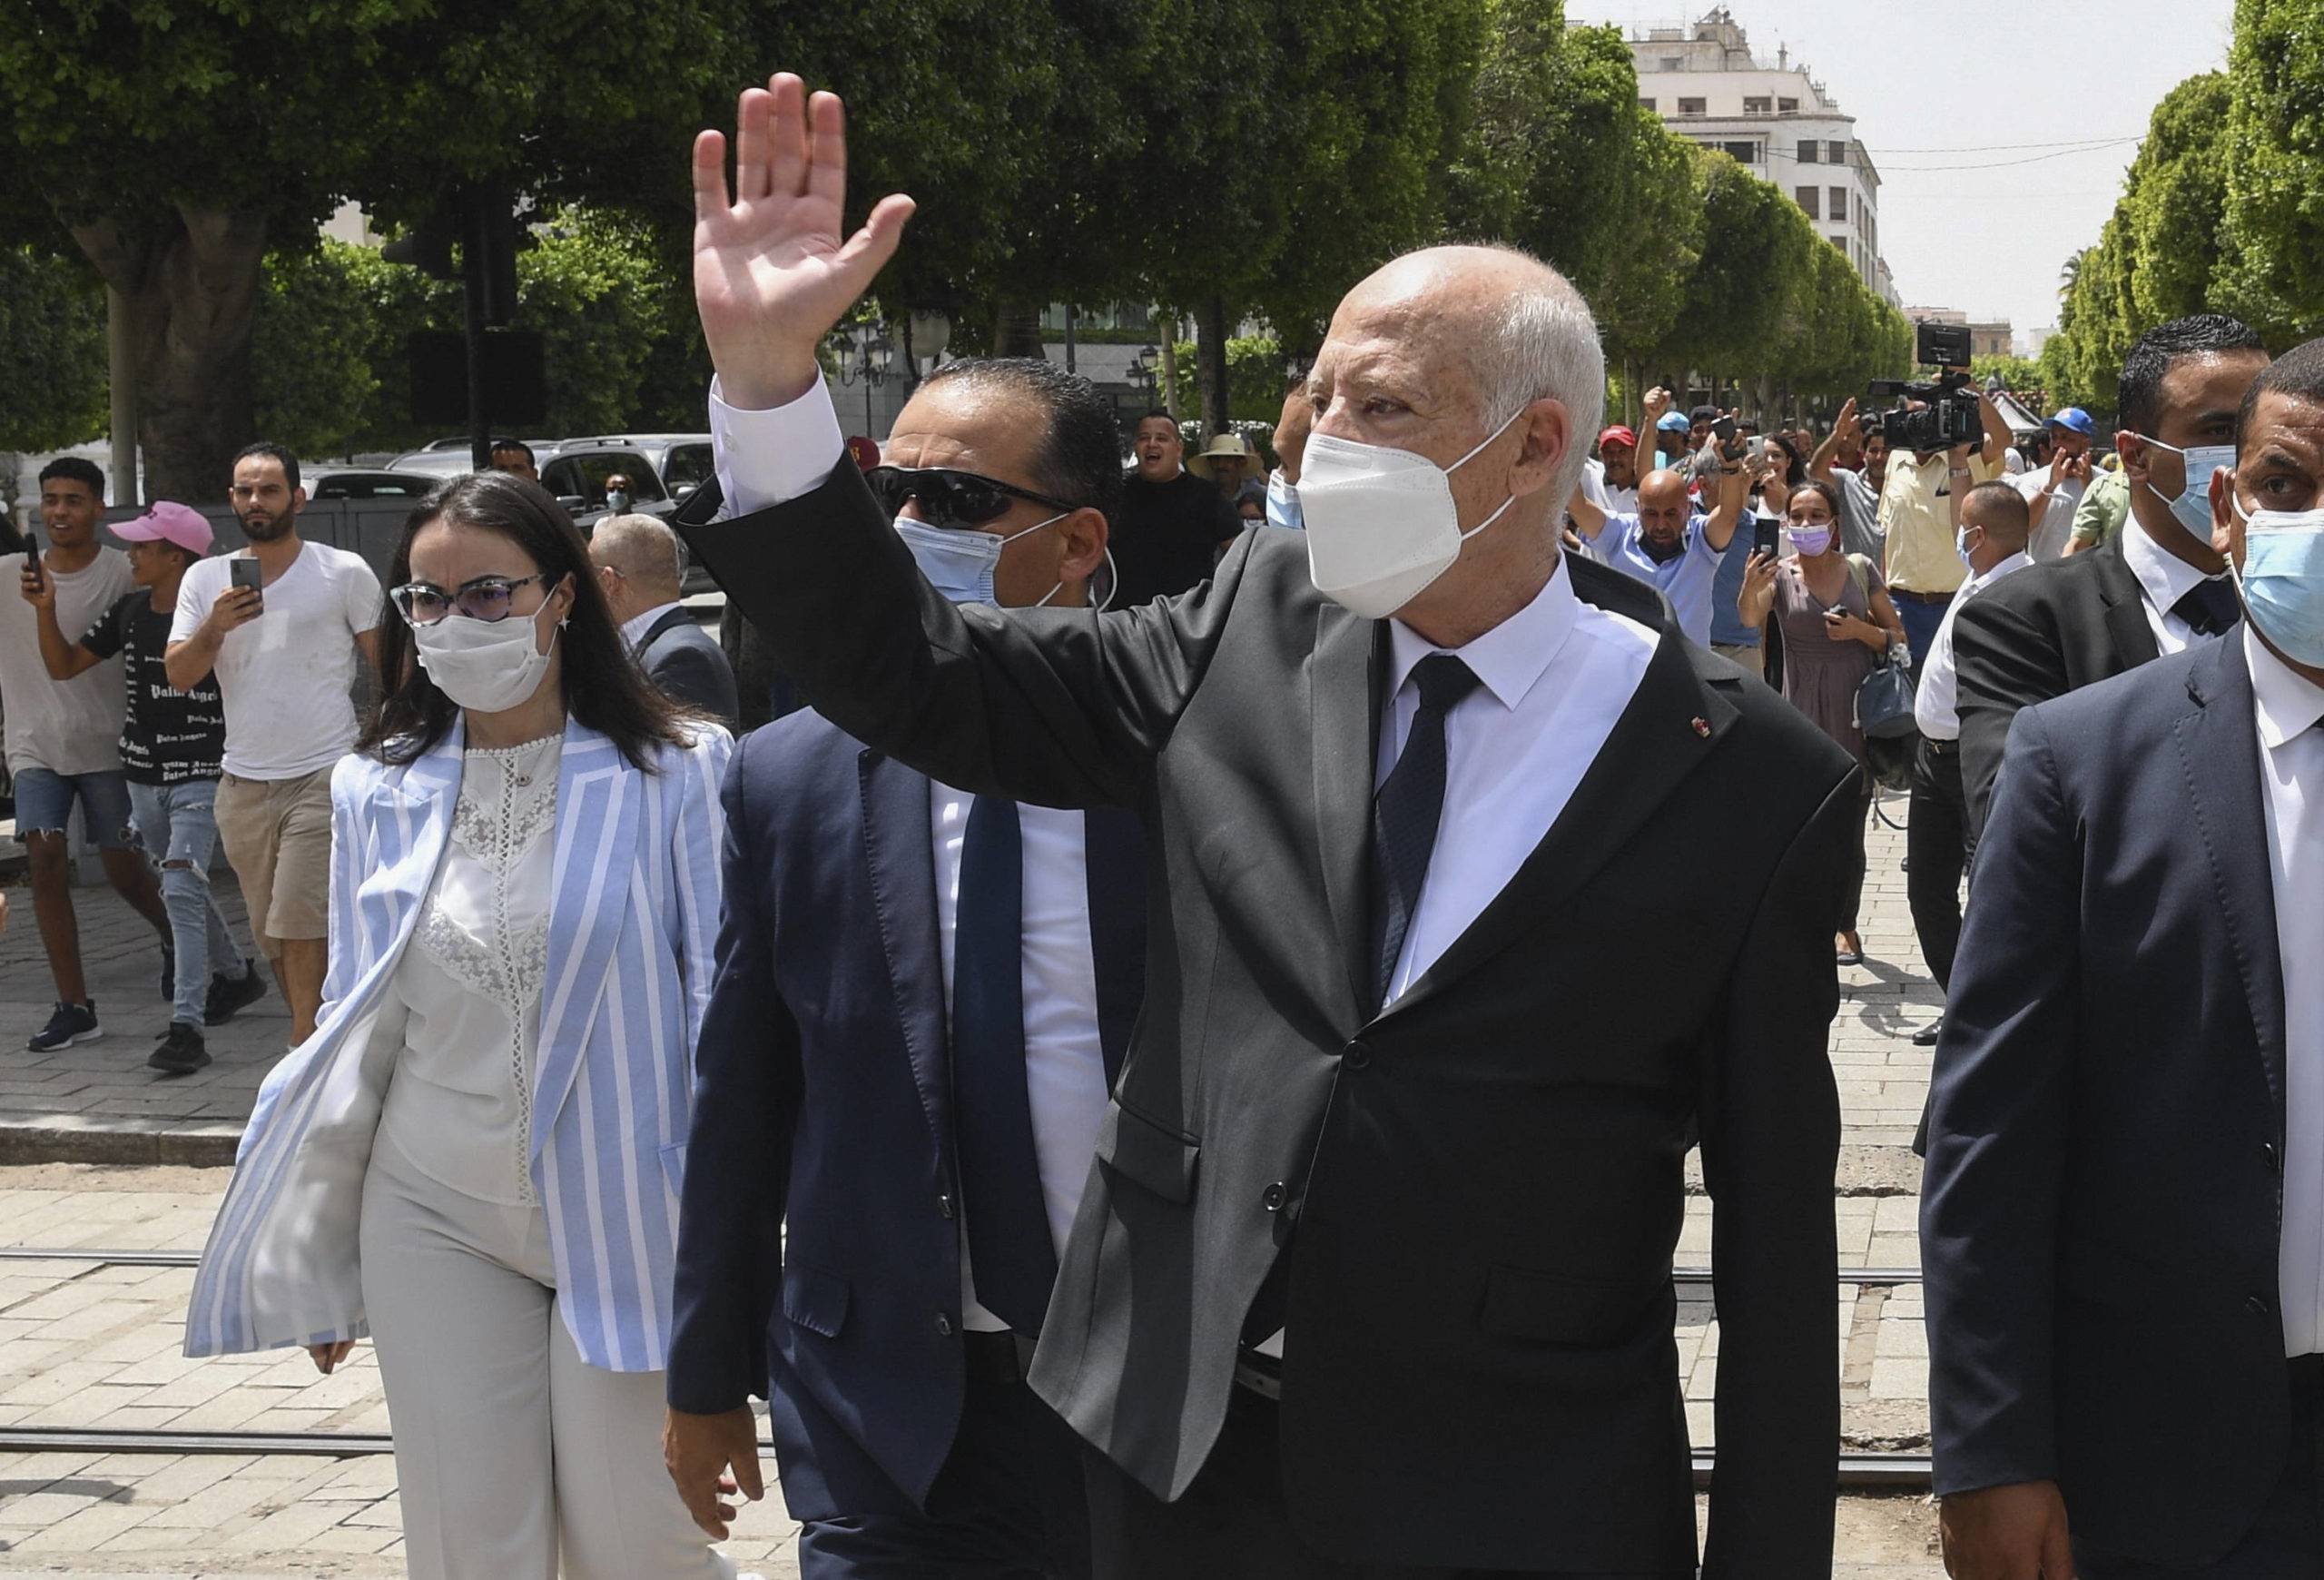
486,598
948,497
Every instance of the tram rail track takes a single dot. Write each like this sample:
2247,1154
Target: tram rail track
1859,1470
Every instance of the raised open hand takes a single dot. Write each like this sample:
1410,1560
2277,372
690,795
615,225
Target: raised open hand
772,274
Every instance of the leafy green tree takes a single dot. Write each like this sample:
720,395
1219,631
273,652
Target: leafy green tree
2274,209
51,320
177,144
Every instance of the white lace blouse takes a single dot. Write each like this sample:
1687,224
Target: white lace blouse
460,1106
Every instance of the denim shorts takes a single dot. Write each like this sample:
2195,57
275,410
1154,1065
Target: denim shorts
44,804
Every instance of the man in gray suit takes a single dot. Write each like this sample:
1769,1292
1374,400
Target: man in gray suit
641,565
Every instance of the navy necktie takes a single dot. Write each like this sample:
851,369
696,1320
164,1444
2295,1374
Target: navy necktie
1405,813
2209,606
1011,1261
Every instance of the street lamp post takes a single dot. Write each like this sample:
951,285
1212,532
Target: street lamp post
867,359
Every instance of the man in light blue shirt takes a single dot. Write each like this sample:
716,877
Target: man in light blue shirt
1669,544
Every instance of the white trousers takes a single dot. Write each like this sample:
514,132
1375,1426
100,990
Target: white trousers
510,1451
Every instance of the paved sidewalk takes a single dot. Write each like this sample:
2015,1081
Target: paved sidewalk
96,1101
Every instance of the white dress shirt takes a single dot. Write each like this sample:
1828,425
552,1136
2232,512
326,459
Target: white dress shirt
2286,707
1934,700
766,458
634,630
2163,579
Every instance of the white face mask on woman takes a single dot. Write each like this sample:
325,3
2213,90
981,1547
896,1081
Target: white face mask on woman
485,665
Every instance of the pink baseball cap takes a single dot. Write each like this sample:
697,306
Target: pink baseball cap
172,523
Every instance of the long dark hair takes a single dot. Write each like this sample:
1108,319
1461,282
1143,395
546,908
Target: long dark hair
603,686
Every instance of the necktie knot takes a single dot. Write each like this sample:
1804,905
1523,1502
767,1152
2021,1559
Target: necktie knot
1443,680
2209,606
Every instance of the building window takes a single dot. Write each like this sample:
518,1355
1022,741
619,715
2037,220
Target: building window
1836,153
1787,106
1646,104
1809,147
1839,242
1809,198
1672,63
1840,203
1742,153
1690,106
1759,106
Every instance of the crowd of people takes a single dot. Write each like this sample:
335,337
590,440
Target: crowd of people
1182,1059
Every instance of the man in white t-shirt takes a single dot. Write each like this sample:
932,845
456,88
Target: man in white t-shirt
285,657
2054,490
64,738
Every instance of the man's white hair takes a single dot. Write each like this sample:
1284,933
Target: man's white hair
1545,347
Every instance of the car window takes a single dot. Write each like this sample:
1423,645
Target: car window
687,463
585,474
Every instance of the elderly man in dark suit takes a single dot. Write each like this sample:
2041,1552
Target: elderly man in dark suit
2123,1221
1454,943
641,564
2156,587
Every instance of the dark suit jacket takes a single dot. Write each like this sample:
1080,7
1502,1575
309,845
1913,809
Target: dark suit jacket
822,1098
679,657
2099,1217
1483,1186
2047,630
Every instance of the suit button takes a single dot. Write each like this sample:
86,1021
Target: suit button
1358,1056
2256,1305
1274,1197
2267,1151
943,1325
944,1204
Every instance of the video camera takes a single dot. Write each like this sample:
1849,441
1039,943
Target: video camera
1951,415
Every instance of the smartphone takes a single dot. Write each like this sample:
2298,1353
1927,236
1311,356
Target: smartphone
246,573
1764,536
32,558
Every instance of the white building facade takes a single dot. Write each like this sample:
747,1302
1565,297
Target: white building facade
1776,120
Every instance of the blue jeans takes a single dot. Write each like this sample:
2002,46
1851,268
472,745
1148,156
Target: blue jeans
1921,621
44,804
179,831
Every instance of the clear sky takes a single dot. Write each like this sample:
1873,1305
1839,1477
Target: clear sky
1982,82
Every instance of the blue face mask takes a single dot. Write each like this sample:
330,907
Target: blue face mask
1282,504
2282,579
1961,547
959,562
2192,507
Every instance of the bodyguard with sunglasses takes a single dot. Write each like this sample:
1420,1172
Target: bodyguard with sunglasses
475,1160
922,998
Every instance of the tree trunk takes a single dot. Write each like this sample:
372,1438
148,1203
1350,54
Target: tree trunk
1215,408
1017,329
1170,364
191,284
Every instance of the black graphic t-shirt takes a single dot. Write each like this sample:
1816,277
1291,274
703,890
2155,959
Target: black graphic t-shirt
167,735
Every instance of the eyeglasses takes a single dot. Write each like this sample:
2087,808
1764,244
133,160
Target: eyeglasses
486,598
948,497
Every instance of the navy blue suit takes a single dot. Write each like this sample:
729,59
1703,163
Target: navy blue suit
2101,1206
823,1105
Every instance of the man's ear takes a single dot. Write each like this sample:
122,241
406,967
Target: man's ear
1085,535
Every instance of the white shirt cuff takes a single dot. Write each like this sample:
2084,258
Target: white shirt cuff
770,457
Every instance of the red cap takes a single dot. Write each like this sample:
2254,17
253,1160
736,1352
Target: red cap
865,452
1617,436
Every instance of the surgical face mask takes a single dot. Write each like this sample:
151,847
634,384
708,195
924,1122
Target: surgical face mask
1961,544
959,562
485,666
1381,523
2282,579
1810,541
2192,507
1282,504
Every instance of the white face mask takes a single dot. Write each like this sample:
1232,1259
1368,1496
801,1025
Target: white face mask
958,561
484,665
1381,523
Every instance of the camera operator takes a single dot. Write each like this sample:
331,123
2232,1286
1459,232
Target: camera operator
1916,520
2054,491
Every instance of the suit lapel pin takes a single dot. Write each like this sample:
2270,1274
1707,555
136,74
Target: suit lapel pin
1702,728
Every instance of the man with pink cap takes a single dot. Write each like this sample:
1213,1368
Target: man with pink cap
171,745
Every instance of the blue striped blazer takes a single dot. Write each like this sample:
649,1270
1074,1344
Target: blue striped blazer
632,923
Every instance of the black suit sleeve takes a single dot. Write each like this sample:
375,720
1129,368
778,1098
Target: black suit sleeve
696,674
1771,1143
1999,1136
1061,707
747,1087
2004,658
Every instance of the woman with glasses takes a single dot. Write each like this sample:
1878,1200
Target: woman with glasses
1832,619
476,1159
